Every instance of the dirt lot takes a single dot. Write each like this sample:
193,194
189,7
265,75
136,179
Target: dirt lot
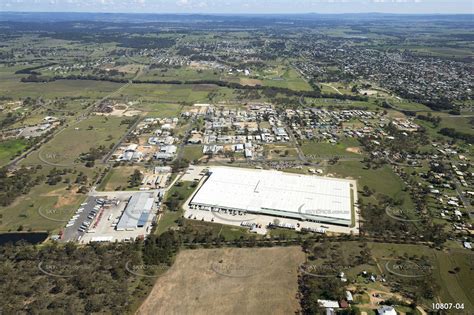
250,82
354,150
228,281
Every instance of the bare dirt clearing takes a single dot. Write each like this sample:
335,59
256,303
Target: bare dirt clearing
250,82
354,150
228,281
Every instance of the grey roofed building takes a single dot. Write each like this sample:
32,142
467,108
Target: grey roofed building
295,196
136,212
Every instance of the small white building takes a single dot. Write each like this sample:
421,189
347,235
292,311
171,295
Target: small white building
328,304
386,310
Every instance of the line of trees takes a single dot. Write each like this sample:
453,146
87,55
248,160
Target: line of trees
452,133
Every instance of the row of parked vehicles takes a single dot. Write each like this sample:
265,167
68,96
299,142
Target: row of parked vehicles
76,216
92,214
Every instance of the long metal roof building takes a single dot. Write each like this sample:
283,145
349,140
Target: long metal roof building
137,211
303,197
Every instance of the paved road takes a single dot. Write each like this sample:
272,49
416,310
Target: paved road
132,128
183,142
80,118
463,198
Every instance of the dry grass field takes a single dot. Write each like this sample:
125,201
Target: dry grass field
228,281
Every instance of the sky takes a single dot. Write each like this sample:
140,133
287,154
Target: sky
242,6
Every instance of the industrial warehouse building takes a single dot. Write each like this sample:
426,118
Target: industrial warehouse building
302,197
137,211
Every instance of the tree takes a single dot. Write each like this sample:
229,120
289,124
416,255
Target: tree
367,191
135,179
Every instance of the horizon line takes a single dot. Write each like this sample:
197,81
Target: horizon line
242,13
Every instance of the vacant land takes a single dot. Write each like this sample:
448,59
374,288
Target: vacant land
10,148
44,208
61,88
228,281
79,138
117,178
347,147
159,110
192,153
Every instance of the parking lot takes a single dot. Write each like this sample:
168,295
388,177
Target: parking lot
96,219
71,232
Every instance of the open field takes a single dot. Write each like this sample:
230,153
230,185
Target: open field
44,208
117,178
228,281
180,191
61,88
276,151
10,148
346,147
159,110
192,153
287,78
78,138
382,180
173,93
182,73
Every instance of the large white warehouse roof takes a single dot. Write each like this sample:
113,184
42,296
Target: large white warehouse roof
276,193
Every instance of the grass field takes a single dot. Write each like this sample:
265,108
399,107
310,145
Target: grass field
228,281
117,178
45,208
382,180
228,232
78,138
192,153
12,87
454,287
10,148
324,149
288,78
183,73
172,93
182,191
338,104
276,151
159,110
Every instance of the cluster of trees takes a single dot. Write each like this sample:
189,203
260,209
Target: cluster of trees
453,133
86,279
161,249
32,70
330,256
94,154
15,184
55,176
435,120
135,179
9,119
